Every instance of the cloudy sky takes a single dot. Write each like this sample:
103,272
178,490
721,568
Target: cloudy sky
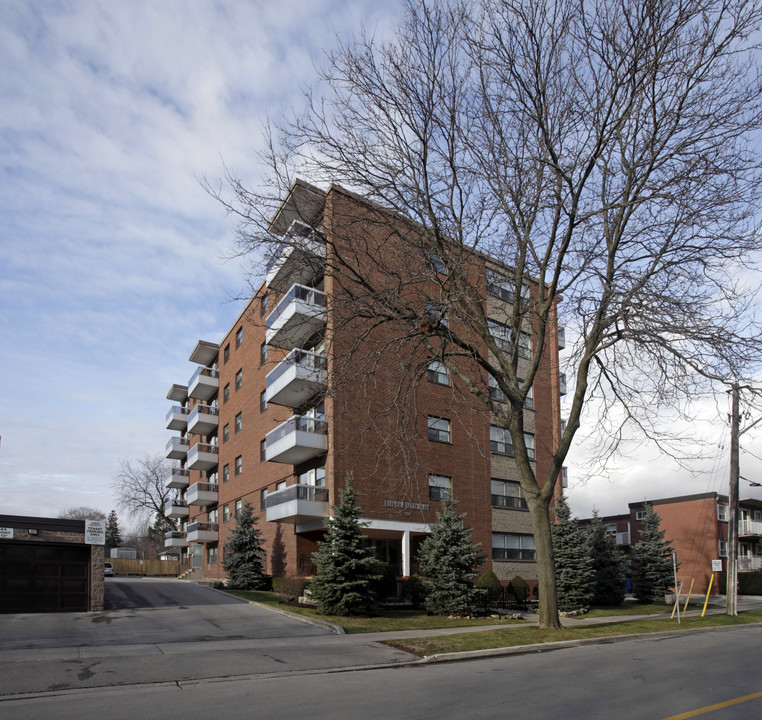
111,254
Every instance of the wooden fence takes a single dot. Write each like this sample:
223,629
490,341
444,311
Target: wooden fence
125,566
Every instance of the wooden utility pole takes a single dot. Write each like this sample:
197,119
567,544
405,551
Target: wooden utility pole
732,579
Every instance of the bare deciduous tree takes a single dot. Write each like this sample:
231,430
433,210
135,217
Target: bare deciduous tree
83,512
600,148
141,490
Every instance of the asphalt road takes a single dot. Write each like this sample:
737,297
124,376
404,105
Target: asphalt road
647,679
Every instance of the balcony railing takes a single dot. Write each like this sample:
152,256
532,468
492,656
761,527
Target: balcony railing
297,503
300,258
177,478
202,532
299,315
749,563
175,539
312,493
298,439
177,417
296,379
202,494
749,527
177,448
623,538
204,383
176,509
203,456
203,420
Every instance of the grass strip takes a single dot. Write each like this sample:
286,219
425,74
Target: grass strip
464,642
380,621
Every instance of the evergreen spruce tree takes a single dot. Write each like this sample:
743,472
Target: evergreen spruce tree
113,538
653,560
608,565
347,571
244,556
574,566
448,560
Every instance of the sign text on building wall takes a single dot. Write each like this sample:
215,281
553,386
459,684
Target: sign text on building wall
406,505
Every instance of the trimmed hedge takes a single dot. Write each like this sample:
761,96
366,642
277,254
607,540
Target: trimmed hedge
749,583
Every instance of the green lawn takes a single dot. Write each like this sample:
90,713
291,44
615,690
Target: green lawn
530,635
635,608
380,621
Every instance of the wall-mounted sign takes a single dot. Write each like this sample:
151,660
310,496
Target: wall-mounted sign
95,532
406,505
716,565
6,533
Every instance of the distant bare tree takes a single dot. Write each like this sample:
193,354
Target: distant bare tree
601,149
141,491
82,513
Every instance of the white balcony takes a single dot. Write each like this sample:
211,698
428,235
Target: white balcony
749,563
204,384
205,353
203,456
562,384
748,528
178,393
177,479
296,379
202,532
202,494
296,503
623,538
177,417
177,448
296,318
298,439
175,539
203,420
561,338
300,259
176,509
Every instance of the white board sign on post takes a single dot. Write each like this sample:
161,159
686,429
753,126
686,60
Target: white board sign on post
95,532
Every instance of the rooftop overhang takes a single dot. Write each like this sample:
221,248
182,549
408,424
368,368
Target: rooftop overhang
205,353
303,202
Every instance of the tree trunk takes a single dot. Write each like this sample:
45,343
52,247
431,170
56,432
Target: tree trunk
546,570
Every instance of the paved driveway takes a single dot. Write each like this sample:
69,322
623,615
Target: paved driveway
151,610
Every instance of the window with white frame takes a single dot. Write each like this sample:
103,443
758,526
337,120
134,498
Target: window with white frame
512,546
437,373
238,508
316,477
525,345
501,334
239,465
722,512
212,555
641,515
439,430
507,494
529,399
529,442
499,285
214,515
495,393
440,487
225,513
239,422
722,548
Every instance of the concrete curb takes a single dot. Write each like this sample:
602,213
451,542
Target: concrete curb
336,629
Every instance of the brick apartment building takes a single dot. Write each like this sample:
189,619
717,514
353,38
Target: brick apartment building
295,397
697,527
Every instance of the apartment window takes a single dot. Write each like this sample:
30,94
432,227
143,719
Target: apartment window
226,433
501,334
437,373
239,465
264,304
495,393
262,450
439,430
499,285
434,262
226,352
316,477
722,512
500,440
512,546
238,422
225,473
529,442
263,353
238,379
611,529
262,498
213,516
262,401
226,393
507,494
440,487
640,515
525,345
722,548
238,508
212,555
238,337
282,485
225,513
